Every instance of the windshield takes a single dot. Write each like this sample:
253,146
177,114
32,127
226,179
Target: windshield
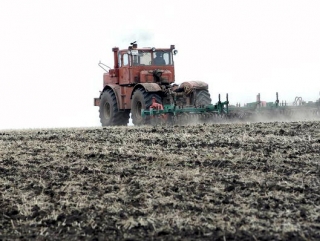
152,58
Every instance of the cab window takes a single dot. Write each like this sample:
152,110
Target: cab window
125,60
167,58
161,57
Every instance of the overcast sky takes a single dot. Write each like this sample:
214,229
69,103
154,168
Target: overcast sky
49,51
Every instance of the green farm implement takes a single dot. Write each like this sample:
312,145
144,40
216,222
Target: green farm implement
223,112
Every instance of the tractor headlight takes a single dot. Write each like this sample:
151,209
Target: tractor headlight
175,51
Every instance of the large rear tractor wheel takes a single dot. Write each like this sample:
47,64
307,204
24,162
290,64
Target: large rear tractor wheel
109,112
142,99
202,97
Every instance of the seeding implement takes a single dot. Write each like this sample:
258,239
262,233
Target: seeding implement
142,83
273,111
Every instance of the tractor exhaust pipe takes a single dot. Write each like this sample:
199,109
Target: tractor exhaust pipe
115,56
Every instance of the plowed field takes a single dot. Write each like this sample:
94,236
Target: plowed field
257,181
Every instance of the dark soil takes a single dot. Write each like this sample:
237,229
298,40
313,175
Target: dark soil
204,182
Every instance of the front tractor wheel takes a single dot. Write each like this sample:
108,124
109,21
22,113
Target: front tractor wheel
109,112
142,100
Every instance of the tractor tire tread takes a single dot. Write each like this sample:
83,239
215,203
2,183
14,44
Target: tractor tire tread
118,117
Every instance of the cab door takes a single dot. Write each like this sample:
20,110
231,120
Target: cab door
134,61
124,70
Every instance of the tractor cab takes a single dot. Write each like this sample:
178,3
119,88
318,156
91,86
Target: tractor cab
137,65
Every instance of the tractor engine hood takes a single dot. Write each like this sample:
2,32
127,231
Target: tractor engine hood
156,76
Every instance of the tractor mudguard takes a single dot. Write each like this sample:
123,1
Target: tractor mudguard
115,88
149,87
189,86
198,85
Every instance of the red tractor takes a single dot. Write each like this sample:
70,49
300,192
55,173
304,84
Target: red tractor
142,79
